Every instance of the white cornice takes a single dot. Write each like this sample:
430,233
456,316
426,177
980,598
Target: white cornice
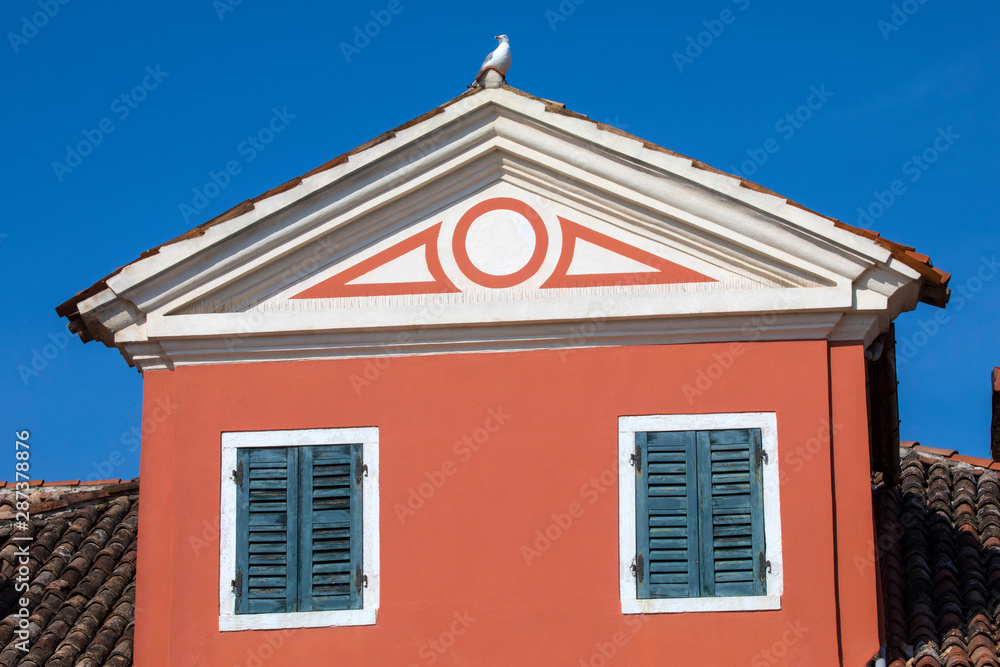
561,336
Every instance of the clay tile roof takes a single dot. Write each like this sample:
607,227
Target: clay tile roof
939,557
996,379
81,574
935,288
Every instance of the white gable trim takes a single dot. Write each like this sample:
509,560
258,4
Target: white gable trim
214,286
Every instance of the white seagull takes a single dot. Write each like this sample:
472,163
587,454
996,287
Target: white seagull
499,59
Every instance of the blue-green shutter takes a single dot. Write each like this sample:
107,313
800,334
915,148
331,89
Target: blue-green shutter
667,557
732,522
298,529
266,498
699,514
330,554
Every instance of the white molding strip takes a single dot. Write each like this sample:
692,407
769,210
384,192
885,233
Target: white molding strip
771,302
599,330
627,428
229,620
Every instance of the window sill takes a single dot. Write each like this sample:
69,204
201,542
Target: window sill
302,619
691,605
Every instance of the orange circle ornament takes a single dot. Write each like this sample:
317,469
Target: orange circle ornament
490,280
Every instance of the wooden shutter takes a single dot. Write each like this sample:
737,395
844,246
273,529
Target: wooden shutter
330,556
666,512
732,516
699,514
266,498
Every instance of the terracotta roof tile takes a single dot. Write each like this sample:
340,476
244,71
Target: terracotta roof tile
939,556
81,575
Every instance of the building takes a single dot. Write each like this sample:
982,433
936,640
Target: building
508,386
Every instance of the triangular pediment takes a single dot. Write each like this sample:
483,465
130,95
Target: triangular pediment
497,210
503,243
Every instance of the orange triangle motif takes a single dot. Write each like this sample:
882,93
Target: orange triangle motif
666,272
337,286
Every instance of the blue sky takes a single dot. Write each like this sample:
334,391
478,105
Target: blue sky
714,80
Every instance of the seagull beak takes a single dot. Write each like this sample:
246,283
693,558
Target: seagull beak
496,36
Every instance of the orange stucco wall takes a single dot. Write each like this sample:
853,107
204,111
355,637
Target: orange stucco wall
457,584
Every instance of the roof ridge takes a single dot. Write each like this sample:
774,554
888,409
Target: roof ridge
938,453
73,483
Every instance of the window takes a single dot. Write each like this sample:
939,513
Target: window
700,528
299,529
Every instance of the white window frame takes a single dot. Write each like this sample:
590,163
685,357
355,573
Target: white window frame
229,620
627,428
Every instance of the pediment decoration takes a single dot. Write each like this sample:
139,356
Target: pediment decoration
411,266
500,221
501,243
592,259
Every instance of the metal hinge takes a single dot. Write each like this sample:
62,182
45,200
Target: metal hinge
636,458
360,470
238,582
759,455
359,579
637,568
763,565
238,474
